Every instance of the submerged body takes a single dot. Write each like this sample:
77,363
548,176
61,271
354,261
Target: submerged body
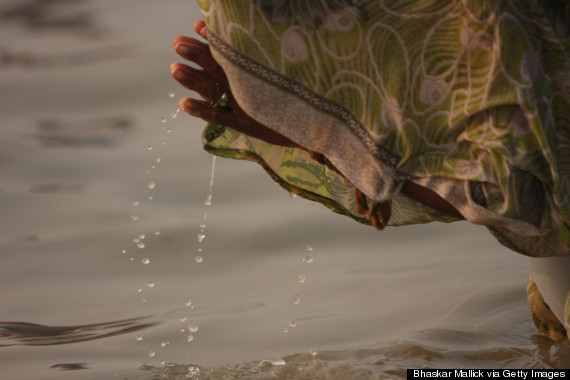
405,112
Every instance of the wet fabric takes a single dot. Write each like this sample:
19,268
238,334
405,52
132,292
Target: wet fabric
543,318
470,99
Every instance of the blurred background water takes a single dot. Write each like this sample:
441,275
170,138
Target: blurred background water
102,201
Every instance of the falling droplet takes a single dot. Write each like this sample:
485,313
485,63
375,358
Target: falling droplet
171,94
145,260
202,226
314,353
157,233
141,245
208,200
150,284
190,338
124,251
151,354
149,147
139,338
135,203
285,330
302,278
151,185
150,197
153,167
292,195
198,259
142,236
188,303
296,299
310,248
293,324
163,344
201,237
308,259
163,120
139,290
134,217
199,249
158,160
173,114
193,328
136,240
168,130
183,319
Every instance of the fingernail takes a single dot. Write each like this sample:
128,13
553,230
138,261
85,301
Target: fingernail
178,74
181,49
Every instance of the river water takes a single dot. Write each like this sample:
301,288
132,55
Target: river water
103,219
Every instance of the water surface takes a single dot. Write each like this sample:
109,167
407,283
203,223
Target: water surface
85,85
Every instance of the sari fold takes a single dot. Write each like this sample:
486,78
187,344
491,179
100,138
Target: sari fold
470,99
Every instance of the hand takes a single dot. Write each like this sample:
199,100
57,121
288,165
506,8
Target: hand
211,84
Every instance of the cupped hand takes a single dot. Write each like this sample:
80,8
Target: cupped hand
211,84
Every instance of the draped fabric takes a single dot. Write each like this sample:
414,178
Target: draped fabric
469,98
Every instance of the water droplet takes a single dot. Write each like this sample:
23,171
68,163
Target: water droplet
136,203
141,245
163,120
293,324
292,195
132,259
136,240
310,248
173,114
202,226
150,197
201,237
150,284
149,147
188,303
142,236
168,130
199,249
198,259
163,143
153,167
171,94
124,251
143,301
182,330
158,160
302,278
183,319
151,185
285,330
139,338
163,344
308,259
314,353
151,354
145,260
208,200
139,290
134,217
190,338
192,328
296,299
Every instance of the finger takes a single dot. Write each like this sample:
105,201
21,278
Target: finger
210,113
199,53
200,28
196,80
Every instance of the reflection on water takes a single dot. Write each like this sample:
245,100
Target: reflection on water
31,334
97,132
54,15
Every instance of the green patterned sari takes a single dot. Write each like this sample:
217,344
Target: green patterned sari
469,98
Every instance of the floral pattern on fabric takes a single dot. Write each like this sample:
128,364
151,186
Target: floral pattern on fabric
443,93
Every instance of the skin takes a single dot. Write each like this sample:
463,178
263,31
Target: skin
210,83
